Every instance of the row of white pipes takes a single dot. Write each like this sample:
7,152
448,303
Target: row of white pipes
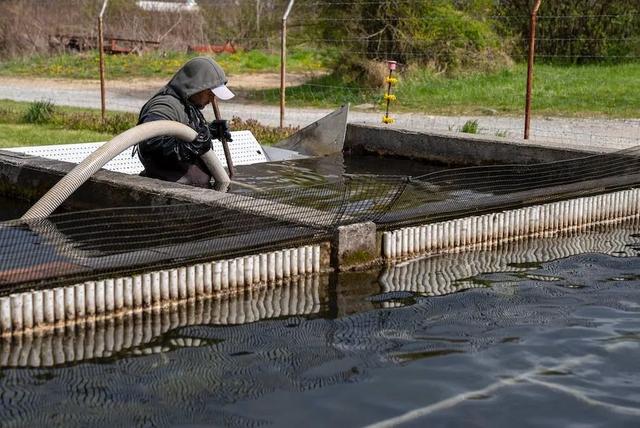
133,330
46,308
490,229
50,307
440,274
435,275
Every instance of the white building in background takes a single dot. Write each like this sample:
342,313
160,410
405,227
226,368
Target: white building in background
168,6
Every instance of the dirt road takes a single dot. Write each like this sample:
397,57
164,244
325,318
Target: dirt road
131,95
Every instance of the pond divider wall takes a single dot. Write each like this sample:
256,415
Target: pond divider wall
352,246
492,229
441,274
47,308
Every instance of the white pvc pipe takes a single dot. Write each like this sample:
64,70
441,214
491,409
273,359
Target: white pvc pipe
78,303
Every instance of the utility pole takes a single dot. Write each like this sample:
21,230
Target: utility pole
532,55
101,48
283,60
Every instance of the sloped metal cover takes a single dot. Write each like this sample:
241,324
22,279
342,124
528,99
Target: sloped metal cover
323,137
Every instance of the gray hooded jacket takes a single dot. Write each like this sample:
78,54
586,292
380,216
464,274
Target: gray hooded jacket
160,155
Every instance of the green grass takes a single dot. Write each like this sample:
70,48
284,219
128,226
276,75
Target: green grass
25,124
576,91
325,91
586,90
11,110
12,135
604,90
160,64
470,127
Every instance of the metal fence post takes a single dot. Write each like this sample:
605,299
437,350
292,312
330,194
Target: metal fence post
532,53
101,48
283,60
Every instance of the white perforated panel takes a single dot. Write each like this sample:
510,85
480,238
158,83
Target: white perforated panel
244,149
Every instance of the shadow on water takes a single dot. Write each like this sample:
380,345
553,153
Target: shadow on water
545,331
12,208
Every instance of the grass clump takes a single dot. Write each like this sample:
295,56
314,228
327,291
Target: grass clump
39,112
21,135
572,91
470,127
46,112
114,123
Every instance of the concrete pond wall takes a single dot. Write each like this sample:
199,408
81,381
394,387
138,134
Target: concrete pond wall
348,247
457,148
28,177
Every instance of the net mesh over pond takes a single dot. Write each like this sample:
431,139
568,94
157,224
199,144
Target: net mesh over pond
77,246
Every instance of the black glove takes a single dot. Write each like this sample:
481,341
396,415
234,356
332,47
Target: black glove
190,151
219,130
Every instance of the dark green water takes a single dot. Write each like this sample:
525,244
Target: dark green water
538,333
12,208
323,170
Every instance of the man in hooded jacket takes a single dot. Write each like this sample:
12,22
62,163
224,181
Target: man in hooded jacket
181,100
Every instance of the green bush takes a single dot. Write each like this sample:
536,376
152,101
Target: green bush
39,112
576,31
445,34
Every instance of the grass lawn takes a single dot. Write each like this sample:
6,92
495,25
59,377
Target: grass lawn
65,125
602,90
577,91
18,135
78,125
587,90
161,65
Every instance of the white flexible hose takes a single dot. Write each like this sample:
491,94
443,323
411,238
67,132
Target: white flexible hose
96,160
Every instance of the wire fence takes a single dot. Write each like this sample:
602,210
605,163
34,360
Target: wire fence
582,86
460,71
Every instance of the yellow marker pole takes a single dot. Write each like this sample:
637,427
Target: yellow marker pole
388,96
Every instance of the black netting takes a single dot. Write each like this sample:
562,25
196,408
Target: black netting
80,245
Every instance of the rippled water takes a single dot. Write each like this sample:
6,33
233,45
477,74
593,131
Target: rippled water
537,333
322,170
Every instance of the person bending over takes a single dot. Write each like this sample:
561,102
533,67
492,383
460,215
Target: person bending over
188,92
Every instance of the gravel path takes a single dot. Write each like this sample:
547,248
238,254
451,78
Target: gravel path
130,96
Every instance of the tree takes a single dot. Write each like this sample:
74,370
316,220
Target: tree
577,31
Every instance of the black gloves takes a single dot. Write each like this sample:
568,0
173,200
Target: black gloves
219,130
190,151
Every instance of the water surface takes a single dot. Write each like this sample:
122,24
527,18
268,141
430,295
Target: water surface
540,332
12,208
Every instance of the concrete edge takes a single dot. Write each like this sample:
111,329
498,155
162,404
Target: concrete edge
455,148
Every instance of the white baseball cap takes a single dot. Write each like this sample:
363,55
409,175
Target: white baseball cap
223,93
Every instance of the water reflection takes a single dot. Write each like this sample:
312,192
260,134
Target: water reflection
324,170
523,345
449,273
142,332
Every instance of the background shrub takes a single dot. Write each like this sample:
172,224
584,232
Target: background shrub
39,112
